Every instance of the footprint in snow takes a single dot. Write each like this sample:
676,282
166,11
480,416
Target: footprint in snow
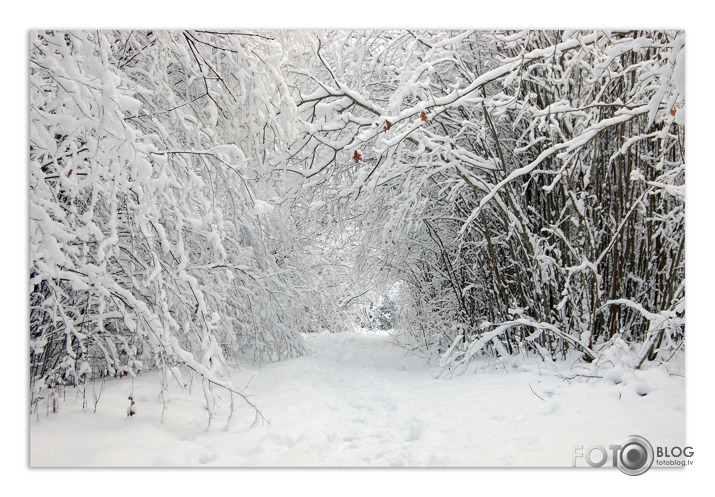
552,408
206,458
615,376
641,389
189,436
415,433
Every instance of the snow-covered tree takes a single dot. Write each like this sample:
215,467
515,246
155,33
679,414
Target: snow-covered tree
155,230
202,197
528,181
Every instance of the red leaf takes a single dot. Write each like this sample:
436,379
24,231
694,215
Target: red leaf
357,157
423,116
387,125
672,112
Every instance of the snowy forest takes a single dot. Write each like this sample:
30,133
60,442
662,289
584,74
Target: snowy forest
205,199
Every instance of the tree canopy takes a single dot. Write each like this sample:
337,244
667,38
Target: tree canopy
202,197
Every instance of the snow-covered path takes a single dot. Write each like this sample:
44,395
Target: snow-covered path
359,401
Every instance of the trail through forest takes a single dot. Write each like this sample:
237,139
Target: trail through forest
358,400
212,212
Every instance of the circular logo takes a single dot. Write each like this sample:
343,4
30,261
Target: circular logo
636,455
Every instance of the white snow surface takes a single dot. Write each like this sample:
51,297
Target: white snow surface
358,400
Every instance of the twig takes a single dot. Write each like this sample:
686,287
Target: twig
236,34
676,349
532,391
244,397
249,381
569,378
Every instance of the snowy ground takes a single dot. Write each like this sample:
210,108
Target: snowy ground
359,401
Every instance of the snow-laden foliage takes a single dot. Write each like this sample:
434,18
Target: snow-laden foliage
201,197
156,238
527,186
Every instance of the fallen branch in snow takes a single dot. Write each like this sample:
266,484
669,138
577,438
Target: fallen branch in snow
259,414
574,376
452,356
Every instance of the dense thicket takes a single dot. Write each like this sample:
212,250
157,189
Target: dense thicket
155,235
527,186
198,197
